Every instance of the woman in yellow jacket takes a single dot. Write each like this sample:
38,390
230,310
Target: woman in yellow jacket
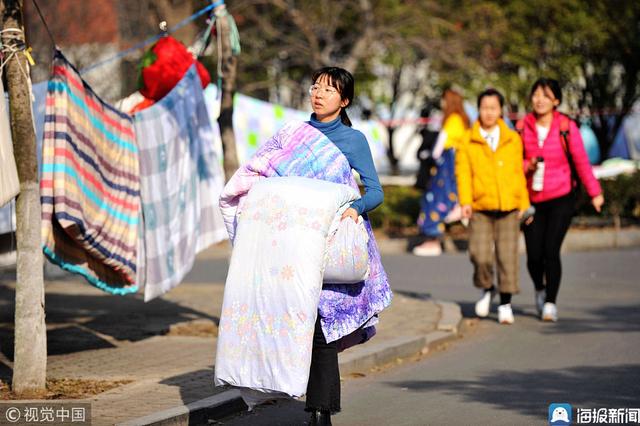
493,195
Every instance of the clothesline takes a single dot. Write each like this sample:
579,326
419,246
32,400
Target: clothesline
12,43
152,39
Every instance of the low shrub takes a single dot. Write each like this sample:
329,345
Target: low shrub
621,195
398,214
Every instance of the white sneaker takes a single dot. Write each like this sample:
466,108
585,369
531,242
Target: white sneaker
505,314
540,297
483,305
431,248
549,312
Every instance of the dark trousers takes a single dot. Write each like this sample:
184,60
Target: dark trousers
323,389
544,238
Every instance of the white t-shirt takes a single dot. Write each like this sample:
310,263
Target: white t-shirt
542,134
492,137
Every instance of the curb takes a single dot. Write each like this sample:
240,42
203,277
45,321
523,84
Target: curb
371,355
450,317
199,412
365,357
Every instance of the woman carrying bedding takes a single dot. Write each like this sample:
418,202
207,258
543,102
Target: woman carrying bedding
256,340
331,93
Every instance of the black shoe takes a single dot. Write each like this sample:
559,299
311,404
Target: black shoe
320,418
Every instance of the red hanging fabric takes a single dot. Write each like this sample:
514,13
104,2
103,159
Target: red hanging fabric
172,62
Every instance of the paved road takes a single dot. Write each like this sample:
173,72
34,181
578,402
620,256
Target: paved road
501,374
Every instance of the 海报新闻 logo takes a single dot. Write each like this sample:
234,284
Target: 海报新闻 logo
560,414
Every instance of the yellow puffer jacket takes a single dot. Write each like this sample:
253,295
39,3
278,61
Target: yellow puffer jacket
490,180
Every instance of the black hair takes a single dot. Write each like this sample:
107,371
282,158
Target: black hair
547,83
343,82
491,92
429,106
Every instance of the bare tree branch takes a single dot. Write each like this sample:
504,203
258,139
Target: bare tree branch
360,47
303,25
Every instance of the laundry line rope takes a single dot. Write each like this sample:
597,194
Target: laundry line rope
152,39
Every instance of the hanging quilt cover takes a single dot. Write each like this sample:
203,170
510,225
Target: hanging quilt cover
90,186
181,180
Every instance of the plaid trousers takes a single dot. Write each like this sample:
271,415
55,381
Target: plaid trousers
489,233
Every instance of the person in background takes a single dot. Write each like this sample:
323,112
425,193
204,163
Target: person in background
440,197
554,161
493,195
429,137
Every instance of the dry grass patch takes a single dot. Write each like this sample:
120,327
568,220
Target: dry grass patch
65,389
197,328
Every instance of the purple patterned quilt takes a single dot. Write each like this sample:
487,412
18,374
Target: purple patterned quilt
298,149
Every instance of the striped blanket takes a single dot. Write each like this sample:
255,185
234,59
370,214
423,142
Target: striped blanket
298,149
90,186
180,179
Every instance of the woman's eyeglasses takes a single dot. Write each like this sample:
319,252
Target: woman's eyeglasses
319,90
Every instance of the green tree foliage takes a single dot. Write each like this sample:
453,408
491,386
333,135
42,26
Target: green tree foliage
286,39
591,47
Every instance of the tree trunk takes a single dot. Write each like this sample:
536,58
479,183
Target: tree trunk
229,72
30,354
391,128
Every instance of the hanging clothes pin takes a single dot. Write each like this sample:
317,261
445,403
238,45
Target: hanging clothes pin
27,53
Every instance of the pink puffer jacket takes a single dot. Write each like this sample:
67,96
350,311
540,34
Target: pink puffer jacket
557,173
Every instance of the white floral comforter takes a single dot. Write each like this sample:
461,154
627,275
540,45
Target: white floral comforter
274,282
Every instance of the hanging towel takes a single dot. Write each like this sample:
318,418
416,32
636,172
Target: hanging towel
9,183
181,180
90,187
298,149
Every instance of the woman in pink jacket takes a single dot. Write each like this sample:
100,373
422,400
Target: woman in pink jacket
554,160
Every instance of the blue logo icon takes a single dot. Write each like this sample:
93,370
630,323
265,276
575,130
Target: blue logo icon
560,414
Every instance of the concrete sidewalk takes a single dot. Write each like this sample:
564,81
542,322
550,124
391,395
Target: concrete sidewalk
166,348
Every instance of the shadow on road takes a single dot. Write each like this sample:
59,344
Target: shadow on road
531,393
281,413
193,385
614,318
80,322
414,294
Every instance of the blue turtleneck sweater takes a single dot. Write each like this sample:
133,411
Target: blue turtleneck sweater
355,147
